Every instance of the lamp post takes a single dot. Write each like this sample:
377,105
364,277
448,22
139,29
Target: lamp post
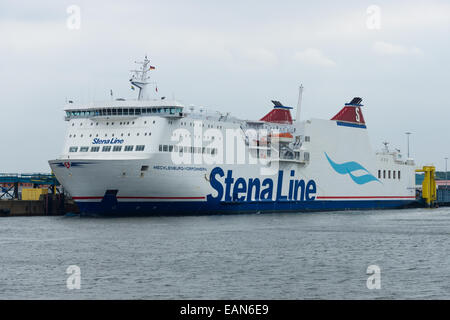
407,139
446,173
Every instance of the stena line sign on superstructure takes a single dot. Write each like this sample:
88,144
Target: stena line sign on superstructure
107,141
253,189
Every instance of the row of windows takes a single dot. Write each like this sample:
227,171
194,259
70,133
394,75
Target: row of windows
395,174
121,112
112,123
112,135
107,148
185,149
191,124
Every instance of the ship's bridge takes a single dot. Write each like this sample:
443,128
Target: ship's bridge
124,108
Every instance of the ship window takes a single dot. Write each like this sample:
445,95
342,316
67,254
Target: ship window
119,112
95,149
160,147
307,139
165,148
125,112
128,148
84,149
170,148
114,112
185,149
108,112
140,148
389,174
137,111
73,149
144,168
384,174
175,148
131,111
379,174
117,148
393,174
398,174
137,134
106,148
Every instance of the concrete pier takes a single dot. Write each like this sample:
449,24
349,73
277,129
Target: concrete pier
48,205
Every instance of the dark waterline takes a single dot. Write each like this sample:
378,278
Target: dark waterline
254,256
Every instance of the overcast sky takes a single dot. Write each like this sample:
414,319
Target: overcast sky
230,55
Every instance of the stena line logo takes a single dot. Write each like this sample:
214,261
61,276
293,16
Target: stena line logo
107,141
241,190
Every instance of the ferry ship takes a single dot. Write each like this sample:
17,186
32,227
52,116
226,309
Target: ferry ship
154,156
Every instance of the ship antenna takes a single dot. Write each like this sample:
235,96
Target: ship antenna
140,77
299,103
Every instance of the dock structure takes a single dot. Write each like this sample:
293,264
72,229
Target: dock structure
49,197
10,183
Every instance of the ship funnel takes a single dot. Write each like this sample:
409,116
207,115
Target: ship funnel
279,114
351,114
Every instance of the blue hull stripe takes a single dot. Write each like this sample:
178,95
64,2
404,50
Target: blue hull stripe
197,207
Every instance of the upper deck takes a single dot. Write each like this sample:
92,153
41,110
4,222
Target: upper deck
124,108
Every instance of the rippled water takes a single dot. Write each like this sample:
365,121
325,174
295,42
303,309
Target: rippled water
266,256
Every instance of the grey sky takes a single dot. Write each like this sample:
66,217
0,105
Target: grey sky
229,55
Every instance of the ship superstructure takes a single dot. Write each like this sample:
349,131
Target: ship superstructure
155,157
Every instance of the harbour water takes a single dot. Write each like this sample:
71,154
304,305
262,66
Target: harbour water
255,256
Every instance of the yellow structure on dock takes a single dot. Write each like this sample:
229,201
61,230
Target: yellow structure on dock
33,194
428,184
